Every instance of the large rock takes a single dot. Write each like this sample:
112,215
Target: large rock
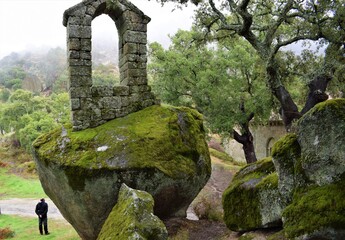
252,200
132,218
322,139
160,150
311,180
317,210
286,155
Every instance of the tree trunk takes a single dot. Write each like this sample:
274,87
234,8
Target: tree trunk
288,109
247,141
317,88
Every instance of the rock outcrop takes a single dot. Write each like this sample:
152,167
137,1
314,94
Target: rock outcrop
310,170
132,218
252,200
160,150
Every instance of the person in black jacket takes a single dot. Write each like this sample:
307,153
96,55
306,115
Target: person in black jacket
41,211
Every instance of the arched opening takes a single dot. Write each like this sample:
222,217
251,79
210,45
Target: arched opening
269,146
105,53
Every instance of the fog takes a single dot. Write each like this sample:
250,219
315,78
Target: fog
36,24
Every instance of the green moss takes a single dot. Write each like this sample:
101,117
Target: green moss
314,208
335,105
221,155
132,218
241,201
286,146
269,182
166,138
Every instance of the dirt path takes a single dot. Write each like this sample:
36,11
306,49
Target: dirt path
26,207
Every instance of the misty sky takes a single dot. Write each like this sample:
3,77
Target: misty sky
30,24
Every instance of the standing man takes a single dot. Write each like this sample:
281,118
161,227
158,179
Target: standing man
41,211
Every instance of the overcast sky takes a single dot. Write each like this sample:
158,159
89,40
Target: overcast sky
29,24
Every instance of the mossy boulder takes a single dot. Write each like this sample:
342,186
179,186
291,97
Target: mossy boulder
252,200
317,212
132,218
286,155
322,140
160,150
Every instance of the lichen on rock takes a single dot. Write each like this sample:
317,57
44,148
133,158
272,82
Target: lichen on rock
161,150
321,137
132,218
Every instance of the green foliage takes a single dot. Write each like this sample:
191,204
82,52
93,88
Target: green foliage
216,80
29,116
105,75
4,94
12,78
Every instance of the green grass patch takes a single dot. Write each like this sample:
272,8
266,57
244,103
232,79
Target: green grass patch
221,155
13,186
27,228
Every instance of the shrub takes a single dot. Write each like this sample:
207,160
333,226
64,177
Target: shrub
6,233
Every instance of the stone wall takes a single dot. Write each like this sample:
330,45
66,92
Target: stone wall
264,138
94,105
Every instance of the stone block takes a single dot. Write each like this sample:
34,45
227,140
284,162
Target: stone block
121,112
131,48
85,44
136,81
108,114
147,95
147,103
111,102
125,101
121,91
139,27
80,92
102,91
73,54
133,65
135,73
74,44
81,115
79,31
85,55
133,17
90,10
91,104
80,70
139,89
80,81
134,37
75,104
79,62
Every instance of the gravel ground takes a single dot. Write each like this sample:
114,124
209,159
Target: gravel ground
26,207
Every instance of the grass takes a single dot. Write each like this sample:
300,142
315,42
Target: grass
27,228
13,186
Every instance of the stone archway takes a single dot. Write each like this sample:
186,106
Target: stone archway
269,145
94,105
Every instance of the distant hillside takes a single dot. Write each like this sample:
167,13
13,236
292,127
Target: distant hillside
47,68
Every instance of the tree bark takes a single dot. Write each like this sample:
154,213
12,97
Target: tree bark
317,88
288,110
246,139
